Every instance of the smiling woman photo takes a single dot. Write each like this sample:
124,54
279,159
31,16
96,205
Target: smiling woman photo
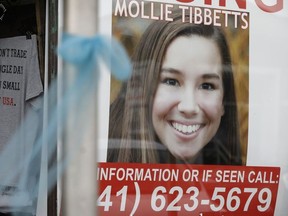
179,105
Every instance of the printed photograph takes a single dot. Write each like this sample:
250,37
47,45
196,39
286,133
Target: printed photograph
187,99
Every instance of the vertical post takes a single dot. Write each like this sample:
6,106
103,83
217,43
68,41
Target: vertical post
43,183
79,185
60,82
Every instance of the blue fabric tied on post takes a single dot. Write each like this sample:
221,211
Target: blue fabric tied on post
84,52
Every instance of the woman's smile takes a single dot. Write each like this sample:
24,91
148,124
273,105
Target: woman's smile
186,129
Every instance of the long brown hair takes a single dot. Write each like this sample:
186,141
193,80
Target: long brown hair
131,133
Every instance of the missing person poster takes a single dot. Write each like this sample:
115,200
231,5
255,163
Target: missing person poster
198,128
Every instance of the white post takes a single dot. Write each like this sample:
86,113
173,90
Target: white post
80,189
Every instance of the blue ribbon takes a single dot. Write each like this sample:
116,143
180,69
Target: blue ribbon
84,52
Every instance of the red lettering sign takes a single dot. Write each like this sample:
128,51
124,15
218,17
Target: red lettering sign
181,189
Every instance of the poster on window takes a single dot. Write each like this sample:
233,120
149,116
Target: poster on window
198,129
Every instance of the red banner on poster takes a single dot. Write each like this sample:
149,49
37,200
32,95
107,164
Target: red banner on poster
166,189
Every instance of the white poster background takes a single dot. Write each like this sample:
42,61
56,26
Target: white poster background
268,88
268,102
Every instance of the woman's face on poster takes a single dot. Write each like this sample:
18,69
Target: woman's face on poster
188,103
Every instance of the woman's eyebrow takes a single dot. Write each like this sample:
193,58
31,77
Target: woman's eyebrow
204,76
211,76
170,70
215,76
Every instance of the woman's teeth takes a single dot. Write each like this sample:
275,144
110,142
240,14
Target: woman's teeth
187,129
